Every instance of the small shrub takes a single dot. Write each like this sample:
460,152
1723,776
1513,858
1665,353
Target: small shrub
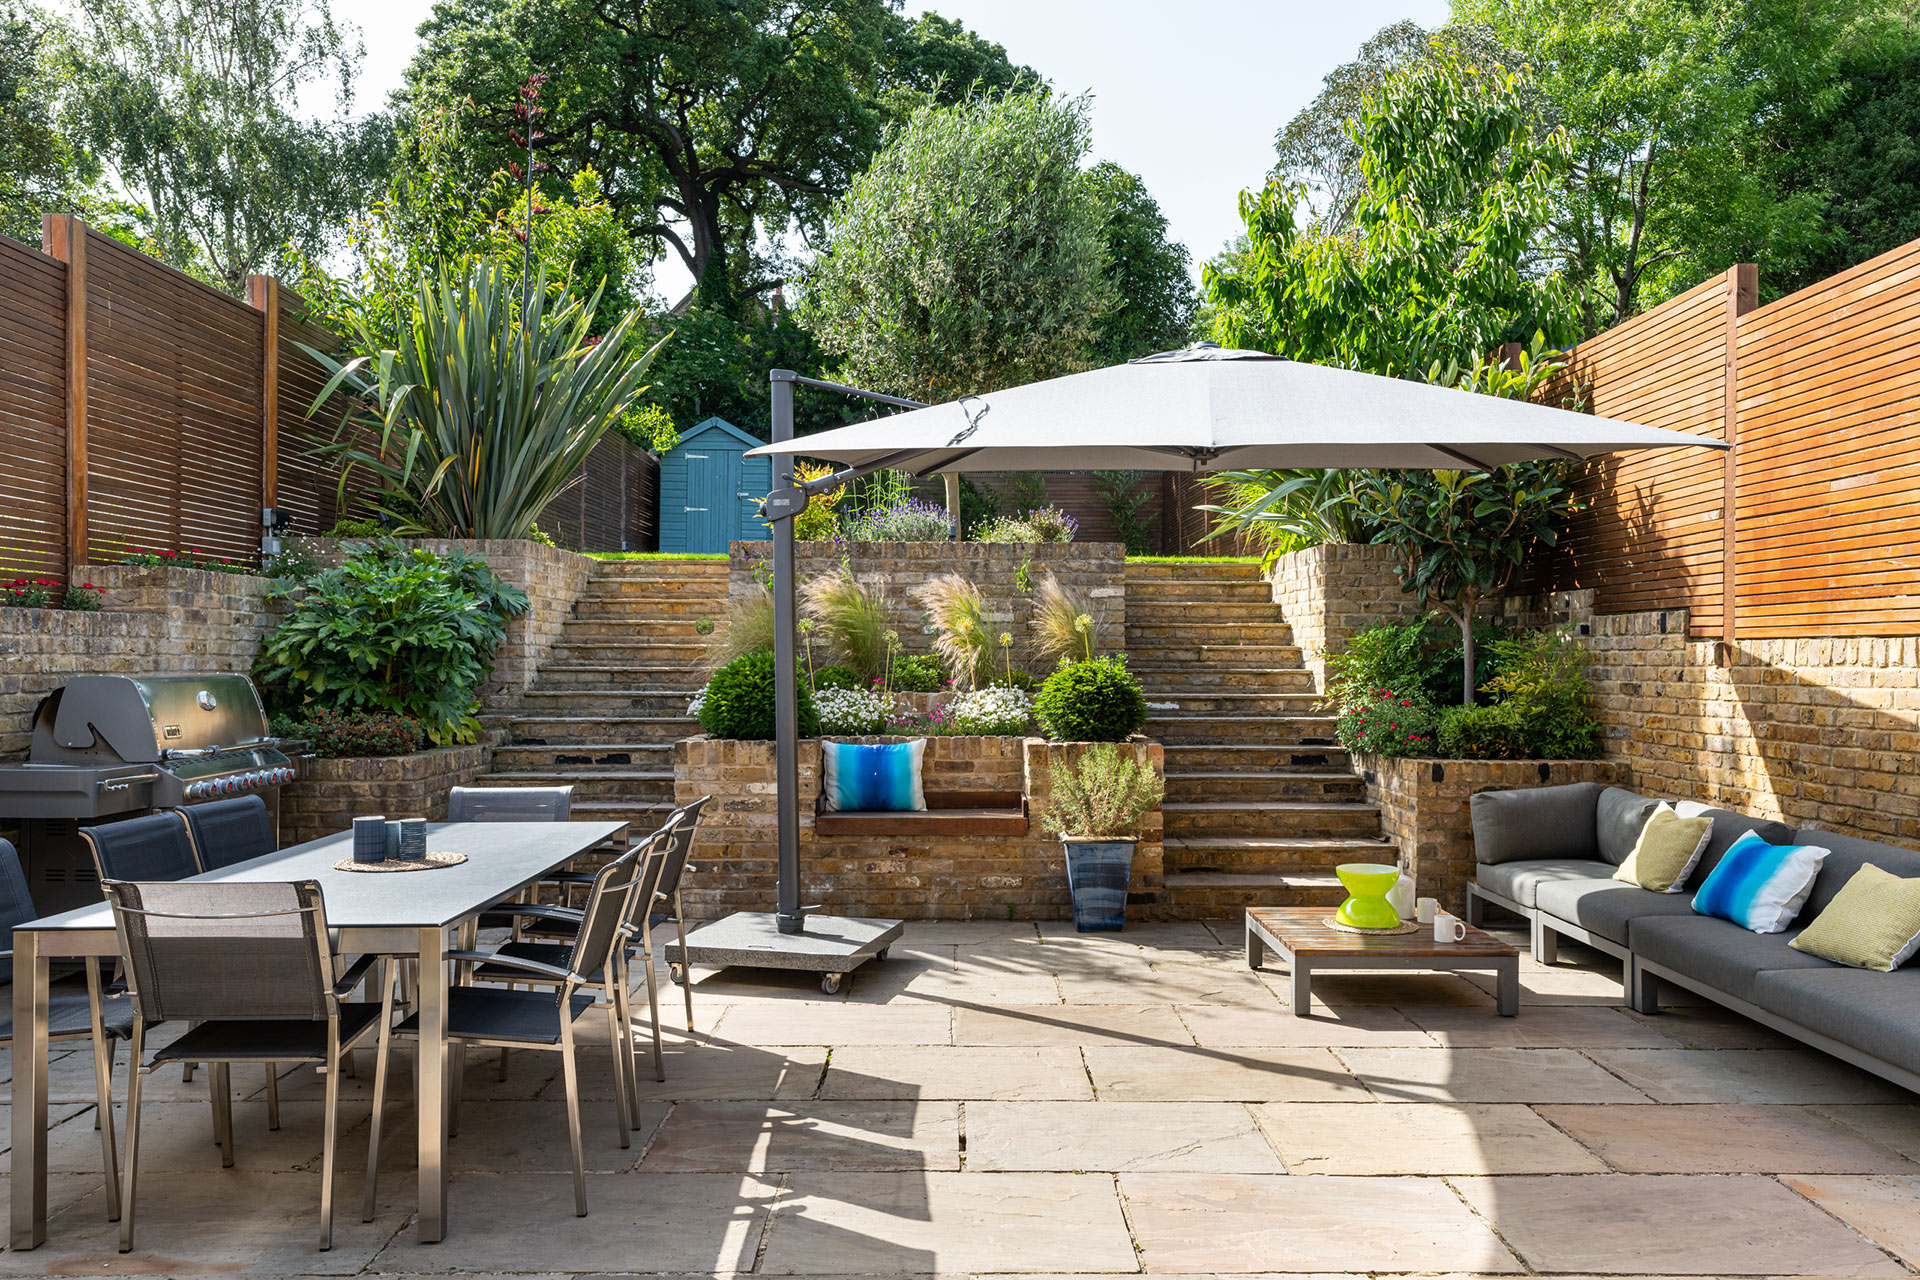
739,701
1102,795
1098,701
852,711
1419,657
919,673
29,593
1014,678
1383,723
1543,682
1044,524
336,734
539,536
838,677
83,598
992,711
368,528
906,520
935,722
295,562
191,558
820,521
1483,733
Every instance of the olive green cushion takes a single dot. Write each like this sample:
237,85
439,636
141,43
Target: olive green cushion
1872,923
1667,851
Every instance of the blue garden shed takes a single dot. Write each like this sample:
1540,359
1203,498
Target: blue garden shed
709,494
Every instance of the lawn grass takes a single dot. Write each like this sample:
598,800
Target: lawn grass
655,555
1193,559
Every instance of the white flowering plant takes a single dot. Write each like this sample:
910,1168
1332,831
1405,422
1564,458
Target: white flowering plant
994,710
852,711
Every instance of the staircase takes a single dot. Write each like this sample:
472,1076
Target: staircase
1261,802
611,699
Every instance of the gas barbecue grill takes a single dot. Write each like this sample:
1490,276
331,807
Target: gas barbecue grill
108,747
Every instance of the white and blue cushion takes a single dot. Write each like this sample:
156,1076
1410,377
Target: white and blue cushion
872,777
1760,886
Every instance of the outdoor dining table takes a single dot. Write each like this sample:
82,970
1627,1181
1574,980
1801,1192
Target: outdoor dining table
404,914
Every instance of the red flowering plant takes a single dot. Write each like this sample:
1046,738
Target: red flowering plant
83,597
29,593
1381,722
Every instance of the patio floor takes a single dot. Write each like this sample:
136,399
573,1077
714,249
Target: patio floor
1003,1099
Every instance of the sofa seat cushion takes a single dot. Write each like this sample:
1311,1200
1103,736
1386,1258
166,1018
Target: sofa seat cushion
1876,1013
1520,881
1603,905
1718,953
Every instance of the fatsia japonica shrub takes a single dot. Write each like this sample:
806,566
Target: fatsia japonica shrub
393,629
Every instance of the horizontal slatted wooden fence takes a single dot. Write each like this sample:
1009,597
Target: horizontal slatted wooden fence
33,413
612,502
1825,410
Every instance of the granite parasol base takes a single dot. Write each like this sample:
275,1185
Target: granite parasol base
831,946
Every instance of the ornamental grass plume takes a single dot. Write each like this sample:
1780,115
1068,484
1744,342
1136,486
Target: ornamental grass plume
750,628
959,612
1064,625
852,621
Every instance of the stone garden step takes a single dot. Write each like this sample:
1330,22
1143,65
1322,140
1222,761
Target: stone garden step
1201,610
1271,818
657,677
1239,702
1263,784
642,815
649,608
623,701
634,654
1272,853
684,628
1154,591
1153,632
715,569
1204,895
1192,651
585,757
1238,756
636,785
1200,730
1167,680
529,729
1209,571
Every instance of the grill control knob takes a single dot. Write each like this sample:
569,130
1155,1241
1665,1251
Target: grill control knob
192,791
228,786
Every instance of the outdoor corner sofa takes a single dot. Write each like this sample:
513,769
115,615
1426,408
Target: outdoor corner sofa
1549,854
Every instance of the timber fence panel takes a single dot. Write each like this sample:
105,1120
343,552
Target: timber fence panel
33,408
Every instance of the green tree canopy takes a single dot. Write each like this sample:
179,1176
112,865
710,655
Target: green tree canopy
970,256
716,126
1148,274
1437,260
42,166
192,104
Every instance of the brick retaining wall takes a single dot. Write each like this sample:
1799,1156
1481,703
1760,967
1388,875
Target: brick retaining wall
335,792
904,877
1327,593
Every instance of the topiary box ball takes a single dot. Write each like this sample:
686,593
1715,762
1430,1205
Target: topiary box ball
1097,701
739,700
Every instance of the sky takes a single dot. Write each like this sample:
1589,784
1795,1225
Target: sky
1186,93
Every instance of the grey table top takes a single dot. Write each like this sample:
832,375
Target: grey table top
502,858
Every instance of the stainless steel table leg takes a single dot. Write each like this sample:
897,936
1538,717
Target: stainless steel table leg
1510,988
430,1084
103,1090
31,980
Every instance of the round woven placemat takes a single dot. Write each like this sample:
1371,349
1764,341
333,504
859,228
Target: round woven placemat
1405,926
431,862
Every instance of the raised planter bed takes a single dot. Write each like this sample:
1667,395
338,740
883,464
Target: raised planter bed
334,792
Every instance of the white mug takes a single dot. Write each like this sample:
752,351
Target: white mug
1448,928
1427,908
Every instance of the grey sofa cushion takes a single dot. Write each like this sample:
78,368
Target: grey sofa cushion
1618,816
1876,1013
1535,822
1849,854
1521,881
1604,906
1728,826
1717,952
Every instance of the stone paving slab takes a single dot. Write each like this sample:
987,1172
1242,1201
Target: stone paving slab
1420,1138
1138,982
1486,1075
1248,1223
1540,1027
759,1137
1614,1223
1744,1075
1235,1026
1895,1126
524,1137
1382,987
1885,1210
1708,1026
966,1073
1171,1137
836,1024
1070,1025
887,1224
1723,1138
736,1071
1129,1074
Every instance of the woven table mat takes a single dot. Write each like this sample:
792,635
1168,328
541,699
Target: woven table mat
431,862
1405,926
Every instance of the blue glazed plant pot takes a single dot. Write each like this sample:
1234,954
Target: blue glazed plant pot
1098,872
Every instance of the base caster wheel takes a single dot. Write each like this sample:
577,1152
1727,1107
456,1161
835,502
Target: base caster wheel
678,974
881,954
830,982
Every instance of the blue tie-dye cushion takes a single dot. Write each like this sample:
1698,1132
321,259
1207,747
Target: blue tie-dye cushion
1760,886
883,777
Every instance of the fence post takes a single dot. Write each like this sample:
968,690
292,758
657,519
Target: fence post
66,239
264,293
1743,295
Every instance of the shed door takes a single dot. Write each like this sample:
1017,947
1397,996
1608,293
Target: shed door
713,475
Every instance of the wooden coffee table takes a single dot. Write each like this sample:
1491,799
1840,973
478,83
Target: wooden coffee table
1307,942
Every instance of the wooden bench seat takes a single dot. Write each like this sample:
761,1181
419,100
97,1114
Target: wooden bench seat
948,813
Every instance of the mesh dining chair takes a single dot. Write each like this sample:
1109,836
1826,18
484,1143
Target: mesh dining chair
70,1015
249,964
510,804
513,1019
225,832
685,821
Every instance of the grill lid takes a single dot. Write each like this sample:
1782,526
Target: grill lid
144,719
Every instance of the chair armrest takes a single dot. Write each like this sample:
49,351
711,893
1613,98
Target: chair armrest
515,962
355,973
538,911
